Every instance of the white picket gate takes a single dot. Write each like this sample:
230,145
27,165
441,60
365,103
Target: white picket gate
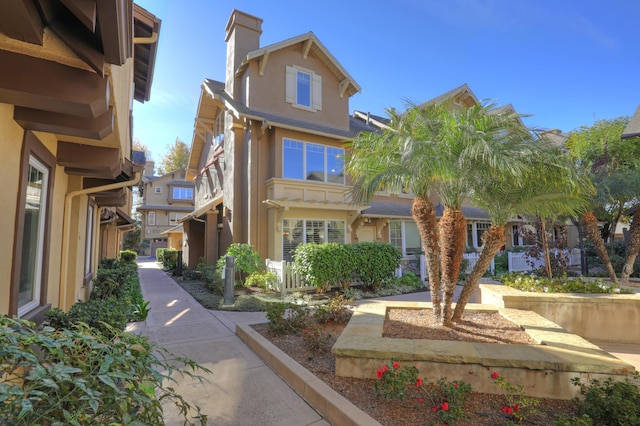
289,281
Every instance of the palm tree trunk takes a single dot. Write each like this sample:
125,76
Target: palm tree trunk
453,230
425,217
492,240
633,246
545,248
593,235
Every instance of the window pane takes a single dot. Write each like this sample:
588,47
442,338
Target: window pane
293,159
151,218
469,235
315,231
315,162
32,237
335,231
303,89
412,238
291,236
395,233
181,193
480,229
335,165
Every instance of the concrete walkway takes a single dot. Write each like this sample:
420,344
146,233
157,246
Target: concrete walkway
242,390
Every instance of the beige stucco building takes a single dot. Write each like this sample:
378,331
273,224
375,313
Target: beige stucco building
267,152
70,70
166,200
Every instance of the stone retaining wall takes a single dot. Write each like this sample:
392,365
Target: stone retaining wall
602,317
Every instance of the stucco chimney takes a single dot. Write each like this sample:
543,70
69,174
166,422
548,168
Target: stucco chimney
149,167
242,36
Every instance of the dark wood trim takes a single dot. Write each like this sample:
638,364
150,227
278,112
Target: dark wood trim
116,33
31,146
36,83
84,10
101,160
19,19
64,124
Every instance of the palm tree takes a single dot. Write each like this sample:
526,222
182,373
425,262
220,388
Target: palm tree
399,158
547,189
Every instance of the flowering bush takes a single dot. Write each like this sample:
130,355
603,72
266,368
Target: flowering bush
609,402
518,406
448,404
393,379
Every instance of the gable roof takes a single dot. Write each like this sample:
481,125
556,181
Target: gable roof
461,94
633,128
309,44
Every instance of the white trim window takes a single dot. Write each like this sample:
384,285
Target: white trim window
309,161
474,233
299,231
404,235
182,193
151,218
157,190
33,237
303,88
516,237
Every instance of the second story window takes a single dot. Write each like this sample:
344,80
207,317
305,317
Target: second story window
151,218
182,193
303,88
309,161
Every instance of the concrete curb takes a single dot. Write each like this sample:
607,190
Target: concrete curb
336,409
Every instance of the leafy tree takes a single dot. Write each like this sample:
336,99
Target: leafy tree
176,158
131,240
614,166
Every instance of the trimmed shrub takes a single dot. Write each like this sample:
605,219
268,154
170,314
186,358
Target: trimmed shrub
160,255
324,265
246,260
101,314
265,280
170,258
376,263
128,256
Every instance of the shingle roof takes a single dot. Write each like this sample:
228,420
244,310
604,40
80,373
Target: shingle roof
633,128
380,209
355,126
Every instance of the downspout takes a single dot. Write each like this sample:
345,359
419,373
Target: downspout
67,224
96,237
146,40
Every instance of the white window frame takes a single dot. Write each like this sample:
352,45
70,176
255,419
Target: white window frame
151,218
157,190
39,250
472,227
403,237
291,88
326,149
180,189
324,230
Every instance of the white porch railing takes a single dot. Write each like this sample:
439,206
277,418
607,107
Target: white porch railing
472,260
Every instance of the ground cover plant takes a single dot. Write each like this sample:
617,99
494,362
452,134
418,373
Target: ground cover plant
534,283
80,375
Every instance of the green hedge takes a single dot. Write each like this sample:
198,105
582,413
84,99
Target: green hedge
333,264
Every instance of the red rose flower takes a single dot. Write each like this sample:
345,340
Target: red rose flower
445,406
507,410
396,365
421,400
516,407
379,374
495,375
434,409
384,368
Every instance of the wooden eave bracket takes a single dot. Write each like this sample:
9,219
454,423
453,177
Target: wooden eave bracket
64,124
84,10
263,63
36,83
307,47
20,20
344,85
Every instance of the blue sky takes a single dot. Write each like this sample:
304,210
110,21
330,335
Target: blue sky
565,62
